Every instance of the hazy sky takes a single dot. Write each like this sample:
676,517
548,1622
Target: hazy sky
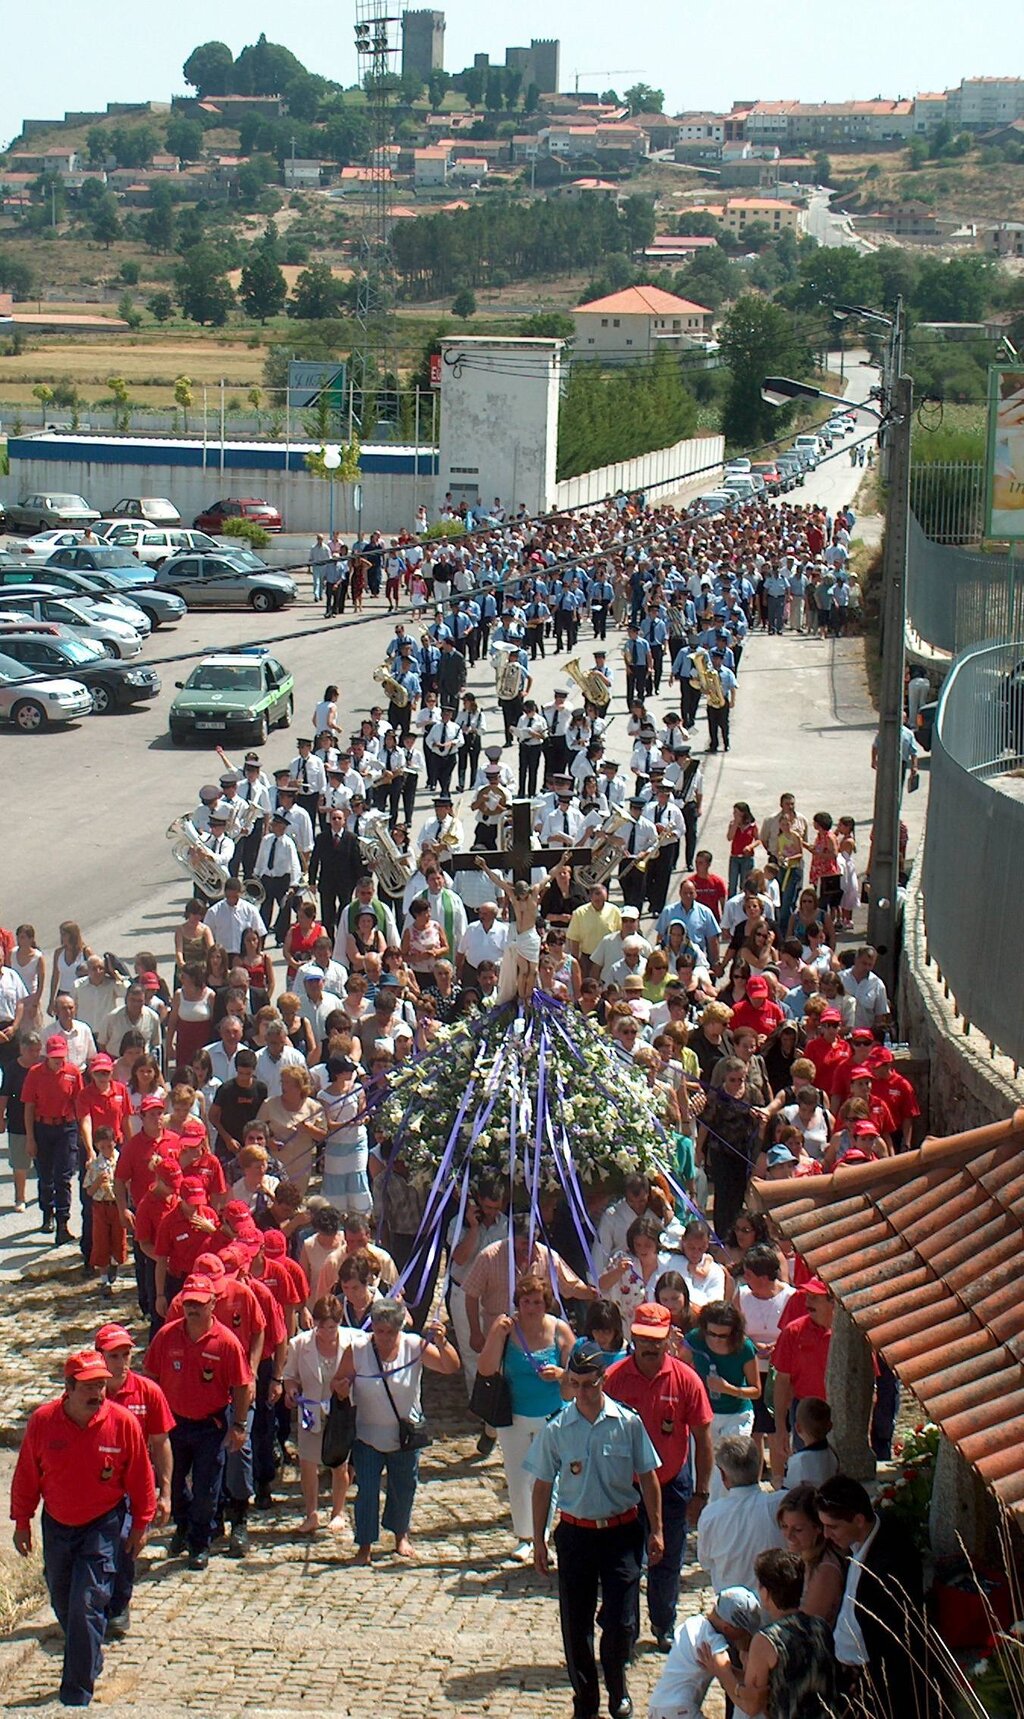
702,55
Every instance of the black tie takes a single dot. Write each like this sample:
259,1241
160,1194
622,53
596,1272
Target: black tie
565,822
248,793
302,772
271,856
632,839
657,814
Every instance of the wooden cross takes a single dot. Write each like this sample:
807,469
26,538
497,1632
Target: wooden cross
519,857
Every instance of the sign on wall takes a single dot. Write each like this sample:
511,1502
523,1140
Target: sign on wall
308,379
1004,472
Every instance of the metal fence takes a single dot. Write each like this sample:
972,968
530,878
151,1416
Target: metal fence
956,600
974,904
948,497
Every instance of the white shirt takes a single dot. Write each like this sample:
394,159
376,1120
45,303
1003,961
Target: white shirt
609,952
810,1467
561,827
870,996
316,1013
848,1639
94,1004
315,779
278,858
300,828
732,1532
478,945
680,1690
435,828
268,1068
81,1044
228,923
223,1065
118,1023
763,1318
612,1232
13,992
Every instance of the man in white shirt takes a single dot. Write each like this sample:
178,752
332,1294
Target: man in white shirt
366,897
97,996
133,1016
276,1054
609,950
614,1226
879,1629
223,1050
81,1044
279,870
560,827
316,1003
442,824
300,824
446,908
862,983
734,1529
484,940
228,919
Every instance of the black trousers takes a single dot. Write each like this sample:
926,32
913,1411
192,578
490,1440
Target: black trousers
444,764
511,710
469,761
659,876
598,1563
529,764
633,884
657,665
599,618
689,703
535,641
556,754
690,827
636,682
400,717
718,727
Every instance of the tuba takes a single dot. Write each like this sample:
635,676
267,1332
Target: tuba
603,853
509,676
188,851
592,684
391,867
394,691
707,679
242,819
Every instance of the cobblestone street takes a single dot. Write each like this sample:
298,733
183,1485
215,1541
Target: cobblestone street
460,1631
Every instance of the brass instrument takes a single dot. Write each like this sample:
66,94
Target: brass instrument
188,851
667,836
253,891
707,679
603,853
509,674
592,684
393,690
391,867
243,817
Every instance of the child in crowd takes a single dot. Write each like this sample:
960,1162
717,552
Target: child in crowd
816,1461
109,1237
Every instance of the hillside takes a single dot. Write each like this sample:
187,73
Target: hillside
969,189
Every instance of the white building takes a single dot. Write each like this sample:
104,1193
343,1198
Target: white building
430,166
635,322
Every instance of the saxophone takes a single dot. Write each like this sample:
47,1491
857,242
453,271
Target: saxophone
509,678
592,684
603,853
393,690
391,867
707,679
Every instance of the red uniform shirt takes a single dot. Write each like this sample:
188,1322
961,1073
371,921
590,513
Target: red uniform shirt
81,1473
235,1306
286,1281
710,892
670,1406
137,1157
896,1091
276,1328
828,1060
149,1213
55,1095
802,1352
761,1018
208,1169
841,1089
144,1399
180,1240
197,1378
107,1109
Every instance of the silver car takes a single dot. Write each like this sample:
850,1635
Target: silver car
48,510
225,581
32,704
78,617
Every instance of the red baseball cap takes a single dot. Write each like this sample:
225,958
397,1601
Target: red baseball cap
758,986
192,1188
275,1245
234,1258
197,1288
101,1061
168,1171
192,1129
651,1320
209,1265
881,1056
863,1130
56,1045
86,1364
235,1211
152,1101
149,981
113,1337
862,1036
828,1016
815,1286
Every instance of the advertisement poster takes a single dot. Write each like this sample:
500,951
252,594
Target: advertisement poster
1005,474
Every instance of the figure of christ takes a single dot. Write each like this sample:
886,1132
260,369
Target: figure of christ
518,975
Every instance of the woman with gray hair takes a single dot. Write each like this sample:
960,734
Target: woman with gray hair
30,1051
383,1370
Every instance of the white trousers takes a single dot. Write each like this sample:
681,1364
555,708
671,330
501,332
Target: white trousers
515,1442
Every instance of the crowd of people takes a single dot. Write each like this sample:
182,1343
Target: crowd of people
219,1121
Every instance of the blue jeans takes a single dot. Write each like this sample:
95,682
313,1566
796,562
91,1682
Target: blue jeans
740,867
80,1565
663,1577
791,886
196,1479
263,1457
56,1146
238,1465
402,1471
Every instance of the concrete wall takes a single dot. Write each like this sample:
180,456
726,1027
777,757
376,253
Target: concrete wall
499,420
667,469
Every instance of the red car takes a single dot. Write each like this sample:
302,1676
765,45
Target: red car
247,507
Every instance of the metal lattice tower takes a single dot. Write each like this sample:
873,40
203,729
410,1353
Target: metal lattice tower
378,47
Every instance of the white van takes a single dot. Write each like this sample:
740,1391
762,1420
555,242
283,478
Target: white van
809,445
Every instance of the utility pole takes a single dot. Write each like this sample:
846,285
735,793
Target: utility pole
885,858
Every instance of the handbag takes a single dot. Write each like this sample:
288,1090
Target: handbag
412,1435
339,1432
491,1399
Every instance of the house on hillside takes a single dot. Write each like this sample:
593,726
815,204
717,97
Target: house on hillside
636,322
430,166
603,189
740,212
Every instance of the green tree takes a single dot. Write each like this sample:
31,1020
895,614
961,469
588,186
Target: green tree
513,81
346,136
130,272
17,277
642,98
204,292
473,81
917,154
317,294
121,401
263,289
957,290
44,394
265,68
304,93
438,85
160,306
547,325
106,222
49,190
757,340
410,87
255,399
464,304
184,137
822,169
209,68
531,100
127,312
97,145
495,89
158,224
183,398
637,215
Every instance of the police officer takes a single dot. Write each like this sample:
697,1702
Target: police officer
594,1448
83,1457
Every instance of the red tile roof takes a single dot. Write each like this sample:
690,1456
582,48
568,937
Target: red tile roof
924,1252
644,301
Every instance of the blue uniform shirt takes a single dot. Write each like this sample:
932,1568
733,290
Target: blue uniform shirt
594,1462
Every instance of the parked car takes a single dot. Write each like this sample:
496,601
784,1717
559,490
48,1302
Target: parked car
94,558
79,617
46,543
245,693
770,475
45,650
120,585
738,467
31,704
741,488
56,580
46,510
155,509
809,448
247,507
225,582
792,468
153,544
714,501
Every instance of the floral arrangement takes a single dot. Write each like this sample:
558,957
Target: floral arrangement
908,1495
533,1093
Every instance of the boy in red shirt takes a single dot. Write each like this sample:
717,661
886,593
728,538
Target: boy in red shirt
183,1234
145,1222
709,889
50,1096
196,1159
829,1053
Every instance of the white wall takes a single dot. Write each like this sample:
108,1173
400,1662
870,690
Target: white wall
668,469
499,420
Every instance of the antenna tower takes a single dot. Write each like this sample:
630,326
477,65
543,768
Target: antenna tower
378,45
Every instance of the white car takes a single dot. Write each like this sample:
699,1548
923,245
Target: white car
76,616
30,704
152,544
737,468
44,543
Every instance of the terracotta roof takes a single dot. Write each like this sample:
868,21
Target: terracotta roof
644,301
923,1250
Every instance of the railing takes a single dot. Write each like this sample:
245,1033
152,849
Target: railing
974,902
948,498
956,600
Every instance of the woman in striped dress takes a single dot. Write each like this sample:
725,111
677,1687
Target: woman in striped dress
346,1181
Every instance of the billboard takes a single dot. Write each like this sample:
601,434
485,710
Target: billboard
1004,476
309,378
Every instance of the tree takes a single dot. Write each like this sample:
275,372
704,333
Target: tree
160,306
184,137
410,87
697,223
464,304
121,401
642,98
303,94
531,100
823,169
513,81
345,136
255,399
130,272
209,69
106,222
547,325
473,80
44,395
16,277
757,340
438,85
127,312
263,288
317,294
495,88
158,225
638,219
203,290
183,398
265,68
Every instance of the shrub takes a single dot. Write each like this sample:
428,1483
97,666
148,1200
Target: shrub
445,528
247,529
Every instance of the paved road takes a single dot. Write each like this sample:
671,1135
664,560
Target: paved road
829,229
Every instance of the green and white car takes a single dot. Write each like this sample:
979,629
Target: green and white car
242,694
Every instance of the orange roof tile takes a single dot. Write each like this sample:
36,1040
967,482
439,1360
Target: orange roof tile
644,301
923,1250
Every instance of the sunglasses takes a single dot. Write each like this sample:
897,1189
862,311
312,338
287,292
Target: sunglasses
718,1335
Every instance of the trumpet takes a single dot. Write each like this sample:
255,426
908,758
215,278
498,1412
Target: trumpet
203,867
592,685
243,817
449,840
393,690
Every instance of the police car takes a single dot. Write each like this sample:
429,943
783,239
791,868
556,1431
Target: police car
243,693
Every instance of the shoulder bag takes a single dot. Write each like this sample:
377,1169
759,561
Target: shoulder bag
412,1435
491,1399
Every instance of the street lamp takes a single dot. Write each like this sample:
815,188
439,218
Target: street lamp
332,460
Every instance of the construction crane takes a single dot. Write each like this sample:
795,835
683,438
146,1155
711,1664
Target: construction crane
616,72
